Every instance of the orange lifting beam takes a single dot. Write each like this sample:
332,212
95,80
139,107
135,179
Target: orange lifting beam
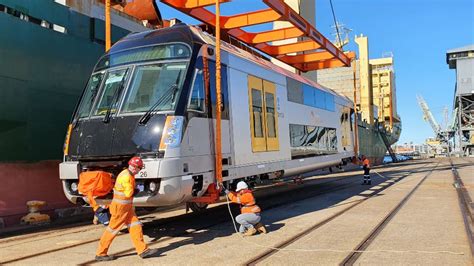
266,36
321,53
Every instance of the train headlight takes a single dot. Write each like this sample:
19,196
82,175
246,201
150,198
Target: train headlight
172,132
153,186
74,187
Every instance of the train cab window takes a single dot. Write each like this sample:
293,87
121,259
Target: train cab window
154,86
112,88
89,95
263,115
197,95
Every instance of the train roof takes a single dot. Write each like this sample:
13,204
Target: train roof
194,35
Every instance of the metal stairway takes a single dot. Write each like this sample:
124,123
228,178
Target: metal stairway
387,144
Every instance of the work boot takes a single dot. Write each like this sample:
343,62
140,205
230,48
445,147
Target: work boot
369,183
261,228
148,253
104,258
250,232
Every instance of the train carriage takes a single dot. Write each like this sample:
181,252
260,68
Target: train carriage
153,95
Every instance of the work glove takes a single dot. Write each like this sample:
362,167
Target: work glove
226,191
136,191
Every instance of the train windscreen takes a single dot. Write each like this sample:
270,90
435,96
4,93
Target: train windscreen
154,86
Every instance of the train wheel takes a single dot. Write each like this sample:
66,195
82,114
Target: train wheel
196,206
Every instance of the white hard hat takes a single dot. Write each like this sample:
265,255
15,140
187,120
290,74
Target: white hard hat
241,185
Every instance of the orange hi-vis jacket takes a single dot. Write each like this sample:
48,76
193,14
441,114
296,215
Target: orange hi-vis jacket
124,187
123,214
366,163
246,201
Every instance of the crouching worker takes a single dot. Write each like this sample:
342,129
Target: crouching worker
122,213
249,219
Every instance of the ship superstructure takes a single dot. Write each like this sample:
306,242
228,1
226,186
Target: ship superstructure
370,84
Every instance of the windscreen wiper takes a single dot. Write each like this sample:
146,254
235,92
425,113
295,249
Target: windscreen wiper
92,98
163,99
114,99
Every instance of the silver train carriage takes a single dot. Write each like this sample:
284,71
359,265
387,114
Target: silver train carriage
153,95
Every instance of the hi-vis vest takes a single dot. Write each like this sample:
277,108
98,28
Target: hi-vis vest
246,201
366,163
124,188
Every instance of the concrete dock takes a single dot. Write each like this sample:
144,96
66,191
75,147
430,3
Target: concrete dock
411,214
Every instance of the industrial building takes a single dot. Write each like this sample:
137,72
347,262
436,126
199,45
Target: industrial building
462,60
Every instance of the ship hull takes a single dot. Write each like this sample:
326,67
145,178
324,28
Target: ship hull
43,70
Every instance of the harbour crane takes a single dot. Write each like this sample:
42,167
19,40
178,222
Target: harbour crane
428,116
442,135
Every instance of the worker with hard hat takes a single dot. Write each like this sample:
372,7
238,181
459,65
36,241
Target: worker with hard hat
249,219
123,214
366,167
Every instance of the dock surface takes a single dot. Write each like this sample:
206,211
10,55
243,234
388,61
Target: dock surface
415,212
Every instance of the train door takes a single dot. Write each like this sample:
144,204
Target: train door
346,128
263,115
202,105
225,125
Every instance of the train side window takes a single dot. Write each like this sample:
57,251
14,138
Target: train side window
257,110
330,104
295,91
197,95
271,116
320,99
309,95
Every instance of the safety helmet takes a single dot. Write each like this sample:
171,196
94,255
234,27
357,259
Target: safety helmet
241,185
136,162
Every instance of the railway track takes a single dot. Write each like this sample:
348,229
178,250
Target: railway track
352,257
465,203
216,215
265,255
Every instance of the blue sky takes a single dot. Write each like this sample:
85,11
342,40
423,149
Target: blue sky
417,32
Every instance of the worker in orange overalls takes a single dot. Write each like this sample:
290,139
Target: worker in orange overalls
249,219
366,167
123,213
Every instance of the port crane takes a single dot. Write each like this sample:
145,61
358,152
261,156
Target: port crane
428,116
442,135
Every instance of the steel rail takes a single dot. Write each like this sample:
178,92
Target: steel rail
365,243
261,257
465,204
